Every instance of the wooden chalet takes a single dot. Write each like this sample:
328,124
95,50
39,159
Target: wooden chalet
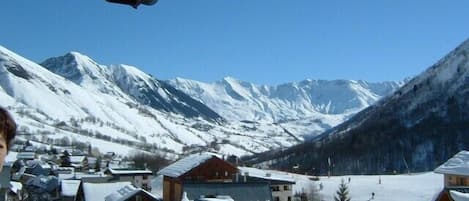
196,168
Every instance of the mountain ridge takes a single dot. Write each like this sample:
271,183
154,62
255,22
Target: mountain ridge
72,98
330,102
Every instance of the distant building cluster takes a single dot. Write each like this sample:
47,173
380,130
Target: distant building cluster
72,175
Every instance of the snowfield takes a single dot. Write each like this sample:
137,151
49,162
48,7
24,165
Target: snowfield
414,187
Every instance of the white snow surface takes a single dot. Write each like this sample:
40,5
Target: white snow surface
182,166
266,174
98,191
16,186
117,171
458,196
126,192
457,165
70,187
415,187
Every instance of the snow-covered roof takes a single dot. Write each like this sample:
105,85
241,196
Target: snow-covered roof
46,183
11,157
457,165
77,159
125,193
34,163
98,191
266,174
128,171
26,155
16,186
182,166
458,196
70,187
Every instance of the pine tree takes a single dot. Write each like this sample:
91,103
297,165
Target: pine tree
97,166
342,193
65,159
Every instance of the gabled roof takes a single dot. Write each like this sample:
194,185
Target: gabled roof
457,165
46,183
271,175
16,186
98,191
127,192
182,166
38,163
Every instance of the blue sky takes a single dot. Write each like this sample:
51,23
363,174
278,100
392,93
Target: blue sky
261,41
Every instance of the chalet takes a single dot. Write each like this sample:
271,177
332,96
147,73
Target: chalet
92,163
456,176
200,168
130,193
280,183
80,163
138,178
205,174
37,167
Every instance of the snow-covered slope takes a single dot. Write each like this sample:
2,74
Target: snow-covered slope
124,80
306,108
119,108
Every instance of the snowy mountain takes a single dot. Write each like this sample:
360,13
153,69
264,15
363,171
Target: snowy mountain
415,129
306,108
74,100
121,80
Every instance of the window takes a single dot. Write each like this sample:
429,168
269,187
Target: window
145,176
286,188
289,198
275,188
276,198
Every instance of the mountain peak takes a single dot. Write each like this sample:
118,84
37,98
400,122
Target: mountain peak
75,67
